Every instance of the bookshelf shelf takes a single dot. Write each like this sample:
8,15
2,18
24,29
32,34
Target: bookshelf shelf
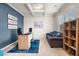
71,37
73,48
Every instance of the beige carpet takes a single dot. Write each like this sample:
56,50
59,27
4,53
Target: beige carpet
44,50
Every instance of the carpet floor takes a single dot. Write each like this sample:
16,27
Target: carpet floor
34,48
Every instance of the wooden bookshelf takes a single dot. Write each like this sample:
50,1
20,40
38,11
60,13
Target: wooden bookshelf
71,37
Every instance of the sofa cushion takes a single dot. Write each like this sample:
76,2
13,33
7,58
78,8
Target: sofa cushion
59,34
54,34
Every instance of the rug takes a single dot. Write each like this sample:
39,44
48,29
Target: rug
33,49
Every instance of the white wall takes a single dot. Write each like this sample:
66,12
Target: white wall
47,25
65,10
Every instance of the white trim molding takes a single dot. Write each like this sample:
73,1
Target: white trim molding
9,47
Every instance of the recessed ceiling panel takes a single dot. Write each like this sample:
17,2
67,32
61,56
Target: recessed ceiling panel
38,13
52,7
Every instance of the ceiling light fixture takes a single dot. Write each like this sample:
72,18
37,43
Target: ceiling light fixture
38,6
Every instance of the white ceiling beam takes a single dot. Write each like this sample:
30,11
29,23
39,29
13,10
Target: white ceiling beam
30,8
38,10
45,9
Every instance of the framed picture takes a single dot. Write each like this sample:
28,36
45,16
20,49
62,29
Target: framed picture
12,22
38,24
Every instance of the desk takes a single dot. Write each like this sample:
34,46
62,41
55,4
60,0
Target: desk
24,41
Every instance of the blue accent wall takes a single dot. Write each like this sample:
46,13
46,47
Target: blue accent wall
8,36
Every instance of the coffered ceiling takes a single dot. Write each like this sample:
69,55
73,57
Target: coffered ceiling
37,9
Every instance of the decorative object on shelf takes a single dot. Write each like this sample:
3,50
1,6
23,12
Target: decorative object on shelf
12,22
73,52
67,28
73,37
73,27
74,44
66,40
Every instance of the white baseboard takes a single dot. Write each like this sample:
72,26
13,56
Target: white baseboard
9,47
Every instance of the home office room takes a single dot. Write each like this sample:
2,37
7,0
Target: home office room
39,29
